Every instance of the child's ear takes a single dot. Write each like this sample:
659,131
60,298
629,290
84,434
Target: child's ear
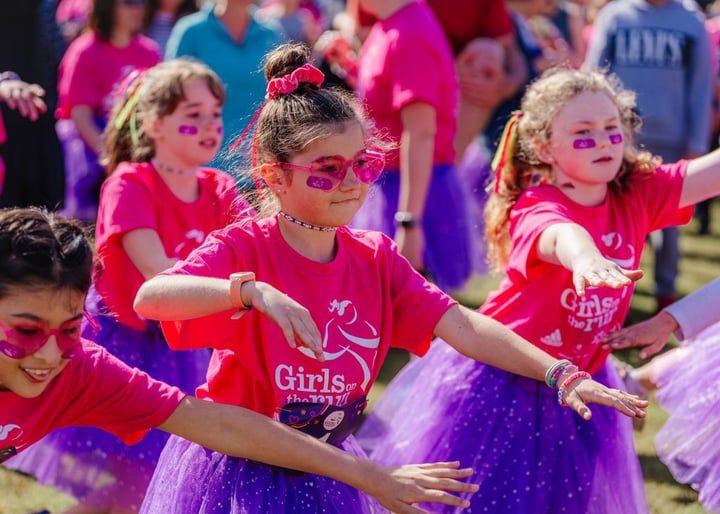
273,177
151,124
542,151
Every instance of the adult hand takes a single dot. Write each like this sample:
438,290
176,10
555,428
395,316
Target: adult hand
480,72
653,334
584,391
399,487
26,98
293,319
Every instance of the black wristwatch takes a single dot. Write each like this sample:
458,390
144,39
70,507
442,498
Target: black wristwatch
406,220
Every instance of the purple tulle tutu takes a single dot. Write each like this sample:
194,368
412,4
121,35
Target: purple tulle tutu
450,250
689,441
83,174
190,478
529,454
93,465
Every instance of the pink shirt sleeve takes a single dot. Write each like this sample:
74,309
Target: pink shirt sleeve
411,83
214,258
79,82
121,400
127,203
660,192
418,306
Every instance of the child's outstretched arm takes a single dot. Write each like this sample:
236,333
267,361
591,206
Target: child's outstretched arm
486,340
571,246
183,297
242,433
702,179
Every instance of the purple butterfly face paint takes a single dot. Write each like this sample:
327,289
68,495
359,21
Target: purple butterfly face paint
583,144
188,130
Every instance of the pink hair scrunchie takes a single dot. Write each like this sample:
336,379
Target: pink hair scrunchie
288,83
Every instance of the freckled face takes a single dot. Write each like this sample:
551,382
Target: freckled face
586,146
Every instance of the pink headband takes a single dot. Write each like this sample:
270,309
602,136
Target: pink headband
288,83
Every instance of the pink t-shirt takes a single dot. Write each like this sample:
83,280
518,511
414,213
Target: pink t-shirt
406,58
367,299
94,390
134,197
538,301
91,68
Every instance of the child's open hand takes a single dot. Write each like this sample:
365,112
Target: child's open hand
652,334
399,487
582,392
601,272
292,318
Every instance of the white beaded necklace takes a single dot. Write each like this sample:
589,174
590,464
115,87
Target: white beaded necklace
305,224
169,169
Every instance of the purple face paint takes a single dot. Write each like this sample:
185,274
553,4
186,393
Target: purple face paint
319,183
616,139
188,130
582,144
219,130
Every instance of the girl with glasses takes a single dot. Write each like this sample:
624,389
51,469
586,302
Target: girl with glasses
51,377
315,159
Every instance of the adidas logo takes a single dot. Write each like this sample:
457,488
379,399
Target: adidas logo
552,339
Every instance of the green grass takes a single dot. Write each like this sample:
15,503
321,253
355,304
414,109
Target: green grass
700,264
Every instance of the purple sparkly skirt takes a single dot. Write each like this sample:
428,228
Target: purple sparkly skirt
529,454
83,174
689,441
190,478
95,466
451,244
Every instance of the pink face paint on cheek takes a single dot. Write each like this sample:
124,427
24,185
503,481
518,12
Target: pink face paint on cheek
583,144
616,139
188,130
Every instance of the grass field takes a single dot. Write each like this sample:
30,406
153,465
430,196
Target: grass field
700,264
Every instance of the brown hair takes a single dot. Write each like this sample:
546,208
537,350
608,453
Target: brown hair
42,250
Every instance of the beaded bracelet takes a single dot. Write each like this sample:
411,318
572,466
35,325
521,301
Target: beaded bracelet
555,371
562,390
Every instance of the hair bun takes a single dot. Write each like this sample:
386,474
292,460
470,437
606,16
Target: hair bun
285,59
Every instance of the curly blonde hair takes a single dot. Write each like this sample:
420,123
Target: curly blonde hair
542,102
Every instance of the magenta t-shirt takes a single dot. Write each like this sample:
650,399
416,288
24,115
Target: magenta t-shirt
135,197
406,58
94,390
537,299
90,69
366,300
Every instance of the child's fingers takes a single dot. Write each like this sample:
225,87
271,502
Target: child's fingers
634,274
308,335
589,391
